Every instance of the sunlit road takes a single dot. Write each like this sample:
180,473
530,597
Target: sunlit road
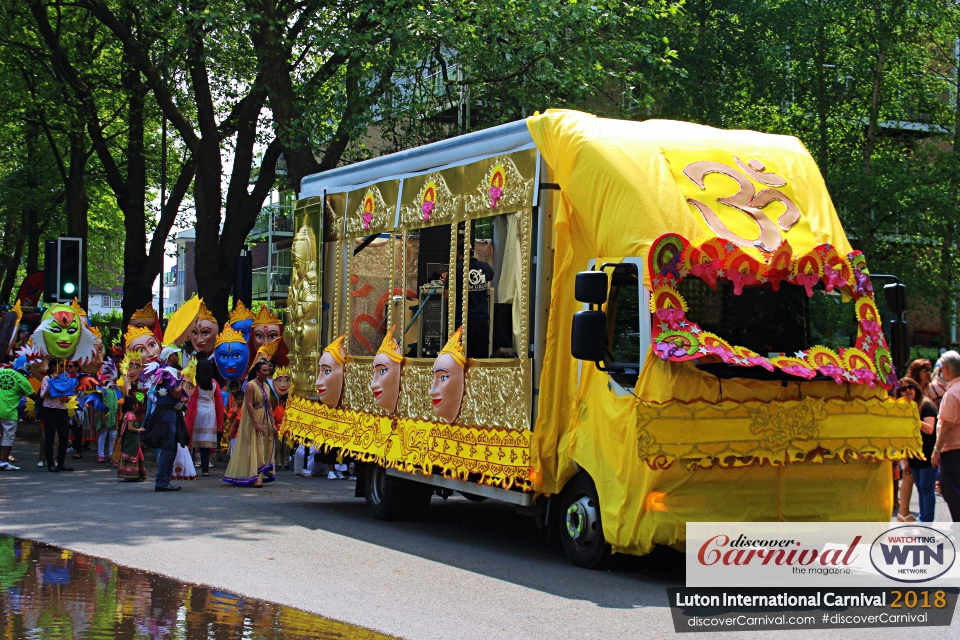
467,571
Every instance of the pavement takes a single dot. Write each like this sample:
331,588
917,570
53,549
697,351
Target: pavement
467,571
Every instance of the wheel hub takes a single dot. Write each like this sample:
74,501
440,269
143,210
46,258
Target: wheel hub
581,521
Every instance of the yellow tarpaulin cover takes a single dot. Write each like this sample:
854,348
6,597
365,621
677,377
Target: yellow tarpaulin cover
623,184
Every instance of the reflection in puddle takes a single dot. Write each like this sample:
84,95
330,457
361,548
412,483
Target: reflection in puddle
48,592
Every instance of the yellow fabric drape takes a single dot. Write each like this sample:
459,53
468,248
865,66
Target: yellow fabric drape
618,194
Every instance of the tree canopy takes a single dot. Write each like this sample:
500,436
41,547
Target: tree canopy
869,87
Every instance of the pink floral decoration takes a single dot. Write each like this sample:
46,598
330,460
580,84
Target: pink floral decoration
865,376
864,286
832,278
759,361
495,193
719,350
870,327
799,370
707,272
807,280
427,208
833,371
740,280
367,219
672,317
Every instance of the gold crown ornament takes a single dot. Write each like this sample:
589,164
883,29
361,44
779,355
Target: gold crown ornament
455,349
282,371
16,309
265,316
135,332
147,313
190,372
240,313
229,334
75,305
337,349
204,313
390,347
267,350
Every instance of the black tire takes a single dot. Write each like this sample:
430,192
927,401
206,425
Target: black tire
472,497
390,498
580,525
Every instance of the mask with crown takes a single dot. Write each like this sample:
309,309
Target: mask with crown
203,334
387,368
449,370
329,383
231,354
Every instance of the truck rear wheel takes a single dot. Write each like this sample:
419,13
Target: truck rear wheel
391,498
581,527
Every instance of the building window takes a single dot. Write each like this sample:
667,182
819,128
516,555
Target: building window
107,301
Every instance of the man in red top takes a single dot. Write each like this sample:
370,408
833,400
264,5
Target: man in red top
946,453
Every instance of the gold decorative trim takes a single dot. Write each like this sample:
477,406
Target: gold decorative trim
517,191
494,456
381,217
334,212
525,228
445,209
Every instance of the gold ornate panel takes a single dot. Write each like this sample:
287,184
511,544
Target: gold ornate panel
302,333
496,394
437,190
499,185
357,373
334,213
415,401
372,209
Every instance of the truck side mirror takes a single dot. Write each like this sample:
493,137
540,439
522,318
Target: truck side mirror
591,287
588,340
896,295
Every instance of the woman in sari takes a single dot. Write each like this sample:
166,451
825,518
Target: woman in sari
253,452
128,455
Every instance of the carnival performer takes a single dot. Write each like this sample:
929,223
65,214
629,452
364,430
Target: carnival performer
128,456
183,467
252,461
204,413
111,400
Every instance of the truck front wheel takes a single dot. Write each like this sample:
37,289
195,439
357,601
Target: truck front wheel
390,498
581,528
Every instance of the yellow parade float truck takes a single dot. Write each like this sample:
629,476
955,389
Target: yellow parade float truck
619,327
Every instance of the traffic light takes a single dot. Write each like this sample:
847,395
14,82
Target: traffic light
50,271
69,268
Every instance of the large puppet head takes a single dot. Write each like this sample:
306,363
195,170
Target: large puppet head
182,321
131,366
387,365
63,334
329,382
204,333
37,363
9,327
266,328
231,354
448,378
146,317
142,340
93,366
282,380
241,319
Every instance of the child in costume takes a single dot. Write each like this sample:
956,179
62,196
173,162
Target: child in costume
128,455
183,467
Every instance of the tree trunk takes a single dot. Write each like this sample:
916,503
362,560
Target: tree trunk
822,104
10,277
77,204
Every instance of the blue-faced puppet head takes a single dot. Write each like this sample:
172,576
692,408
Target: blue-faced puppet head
241,319
232,354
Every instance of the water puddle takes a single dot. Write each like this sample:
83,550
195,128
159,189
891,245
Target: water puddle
48,592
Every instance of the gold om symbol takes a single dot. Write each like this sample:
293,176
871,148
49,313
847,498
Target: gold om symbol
746,200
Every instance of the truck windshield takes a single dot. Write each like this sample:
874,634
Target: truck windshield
770,322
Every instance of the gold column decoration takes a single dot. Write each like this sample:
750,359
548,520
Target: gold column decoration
334,213
465,284
525,226
451,276
302,334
